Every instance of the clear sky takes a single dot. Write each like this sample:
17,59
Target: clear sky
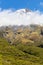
18,4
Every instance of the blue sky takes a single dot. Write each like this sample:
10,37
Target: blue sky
18,4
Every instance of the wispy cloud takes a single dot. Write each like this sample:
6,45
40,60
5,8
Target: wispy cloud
9,17
41,3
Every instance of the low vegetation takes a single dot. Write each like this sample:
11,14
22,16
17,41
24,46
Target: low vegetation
20,54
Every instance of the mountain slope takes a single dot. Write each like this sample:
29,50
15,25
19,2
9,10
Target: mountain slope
19,54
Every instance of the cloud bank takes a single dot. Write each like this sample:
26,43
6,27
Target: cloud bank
10,17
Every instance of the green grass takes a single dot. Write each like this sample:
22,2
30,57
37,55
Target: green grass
20,54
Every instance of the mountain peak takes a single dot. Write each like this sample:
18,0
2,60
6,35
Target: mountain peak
24,10
27,10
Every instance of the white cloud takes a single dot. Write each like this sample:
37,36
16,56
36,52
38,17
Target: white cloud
41,3
9,17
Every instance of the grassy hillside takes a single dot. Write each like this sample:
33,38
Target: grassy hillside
20,54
